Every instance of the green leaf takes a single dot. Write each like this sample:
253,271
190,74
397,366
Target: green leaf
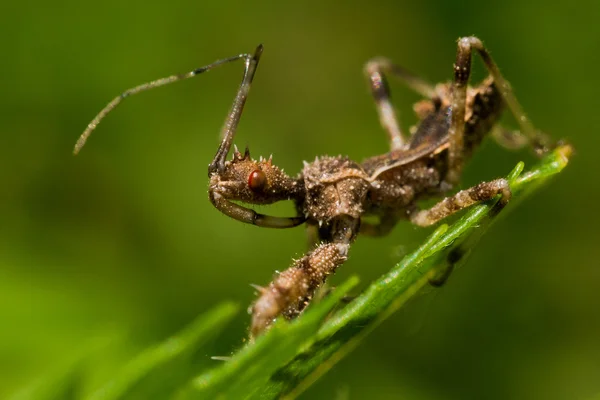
158,370
62,386
344,331
247,373
291,356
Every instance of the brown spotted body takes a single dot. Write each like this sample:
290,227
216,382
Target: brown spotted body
333,194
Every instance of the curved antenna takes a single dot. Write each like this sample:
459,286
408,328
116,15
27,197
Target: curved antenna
162,82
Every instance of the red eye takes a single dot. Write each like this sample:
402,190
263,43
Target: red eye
257,180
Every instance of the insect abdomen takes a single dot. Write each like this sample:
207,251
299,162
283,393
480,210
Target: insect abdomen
293,288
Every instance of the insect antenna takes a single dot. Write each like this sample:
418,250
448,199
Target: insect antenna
235,113
162,82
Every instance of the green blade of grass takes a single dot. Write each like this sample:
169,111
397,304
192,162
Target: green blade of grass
247,373
344,331
167,361
291,356
62,386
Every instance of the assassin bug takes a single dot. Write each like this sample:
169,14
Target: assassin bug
332,195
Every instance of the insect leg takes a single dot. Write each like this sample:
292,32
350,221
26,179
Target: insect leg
441,276
539,141
509,139
375,71
463,199
461,250
250,216
458,98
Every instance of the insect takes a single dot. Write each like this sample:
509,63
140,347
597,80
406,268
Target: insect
332,195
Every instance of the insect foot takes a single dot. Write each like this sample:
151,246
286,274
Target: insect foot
291,290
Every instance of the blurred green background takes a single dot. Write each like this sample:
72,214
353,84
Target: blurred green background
119,247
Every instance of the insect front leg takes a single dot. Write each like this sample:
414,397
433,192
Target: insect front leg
250,216
375,71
